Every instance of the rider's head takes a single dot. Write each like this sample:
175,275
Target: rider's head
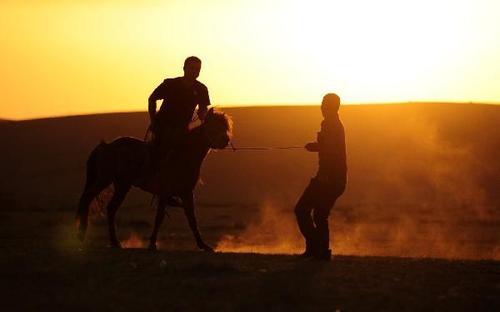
192,67
330,105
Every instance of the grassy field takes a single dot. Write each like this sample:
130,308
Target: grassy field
417,229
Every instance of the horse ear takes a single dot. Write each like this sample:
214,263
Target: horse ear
211,111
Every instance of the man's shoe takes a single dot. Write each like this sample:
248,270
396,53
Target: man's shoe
323,255
310,250
307,254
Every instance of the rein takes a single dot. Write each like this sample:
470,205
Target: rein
148,133
235,149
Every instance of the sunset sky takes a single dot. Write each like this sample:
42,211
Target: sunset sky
70,57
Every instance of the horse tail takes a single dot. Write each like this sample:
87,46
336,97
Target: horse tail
90,191
92,170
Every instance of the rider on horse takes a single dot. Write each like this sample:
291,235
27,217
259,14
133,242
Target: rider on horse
170,124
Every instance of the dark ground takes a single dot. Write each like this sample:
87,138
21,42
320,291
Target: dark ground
43,279
45,271
42,268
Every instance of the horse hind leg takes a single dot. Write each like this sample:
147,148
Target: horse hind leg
82,216
115,202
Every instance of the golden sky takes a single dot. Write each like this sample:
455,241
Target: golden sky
70,57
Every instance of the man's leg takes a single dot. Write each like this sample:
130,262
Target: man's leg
320,216
327,196
304,220
166,172
164,158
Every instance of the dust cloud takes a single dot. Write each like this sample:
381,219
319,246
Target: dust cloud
272,233
133,241
421,191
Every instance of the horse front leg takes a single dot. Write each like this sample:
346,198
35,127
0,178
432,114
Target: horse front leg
115,202
189,212
160,215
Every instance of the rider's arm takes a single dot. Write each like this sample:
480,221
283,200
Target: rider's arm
204,103
152,108
202,112
157,94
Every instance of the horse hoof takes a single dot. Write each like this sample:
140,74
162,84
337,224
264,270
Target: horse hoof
152,247
208,249
205,247
80,237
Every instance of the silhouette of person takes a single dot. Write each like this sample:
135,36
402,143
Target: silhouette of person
170,124
328,184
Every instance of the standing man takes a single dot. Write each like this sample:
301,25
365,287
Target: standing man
328,184
169,125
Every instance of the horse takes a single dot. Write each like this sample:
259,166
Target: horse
122,163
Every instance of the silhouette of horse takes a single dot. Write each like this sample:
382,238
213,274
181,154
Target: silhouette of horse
122,161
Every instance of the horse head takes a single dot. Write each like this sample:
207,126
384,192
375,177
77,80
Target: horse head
217,129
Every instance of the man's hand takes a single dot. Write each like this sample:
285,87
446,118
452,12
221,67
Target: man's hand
202,113
312,147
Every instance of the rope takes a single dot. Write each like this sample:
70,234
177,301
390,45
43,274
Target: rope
245,148
261,148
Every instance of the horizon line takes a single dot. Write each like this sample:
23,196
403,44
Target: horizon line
258,105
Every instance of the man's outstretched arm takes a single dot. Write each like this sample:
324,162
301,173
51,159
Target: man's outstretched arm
312,147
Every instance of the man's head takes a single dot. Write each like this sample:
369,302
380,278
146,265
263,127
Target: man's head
330,105
192,67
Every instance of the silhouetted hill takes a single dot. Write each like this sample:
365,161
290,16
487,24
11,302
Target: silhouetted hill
382,139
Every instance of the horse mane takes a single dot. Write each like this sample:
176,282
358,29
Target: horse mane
226,119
